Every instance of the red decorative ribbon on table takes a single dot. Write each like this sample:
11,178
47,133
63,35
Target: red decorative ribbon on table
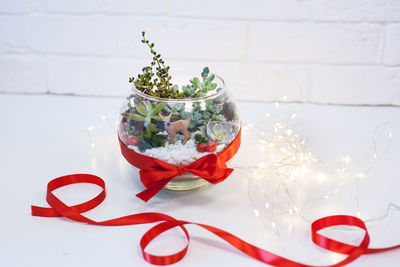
155,173
60,209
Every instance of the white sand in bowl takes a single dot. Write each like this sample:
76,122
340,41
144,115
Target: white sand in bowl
177,154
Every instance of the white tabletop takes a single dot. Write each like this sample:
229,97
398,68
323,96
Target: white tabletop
44,136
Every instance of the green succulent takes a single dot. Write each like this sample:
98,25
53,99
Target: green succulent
221,132
199,138
155,83
199,88
143,145
214,107
158,82
151,140
218,132
218,117
189,91
196,120
198,115
177,109
146,113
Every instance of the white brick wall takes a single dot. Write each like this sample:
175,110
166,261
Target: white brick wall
316,43
356,85
22,73
185,39
239,9
91,75
59,34
357,10
19,6
392,49
325,51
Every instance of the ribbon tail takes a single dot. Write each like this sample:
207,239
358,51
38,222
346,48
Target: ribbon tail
150,192
43,212
228,172
221,178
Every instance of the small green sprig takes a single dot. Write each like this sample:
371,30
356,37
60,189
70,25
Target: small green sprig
159,84
199,138
146,81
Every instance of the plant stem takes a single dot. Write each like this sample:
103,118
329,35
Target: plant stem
166,83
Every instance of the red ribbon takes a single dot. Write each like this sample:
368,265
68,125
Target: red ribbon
210,167
60,209
155,173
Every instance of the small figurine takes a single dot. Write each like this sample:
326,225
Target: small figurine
175,127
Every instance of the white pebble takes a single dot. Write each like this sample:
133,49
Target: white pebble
177,154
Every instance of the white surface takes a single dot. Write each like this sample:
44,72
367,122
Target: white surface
92,47
41,139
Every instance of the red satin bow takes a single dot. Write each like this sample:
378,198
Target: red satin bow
210,167
155,173
165,222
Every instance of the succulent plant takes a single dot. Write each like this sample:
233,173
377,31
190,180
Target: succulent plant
220,132
143,145
146,113
151,138
177,110
199,89
211,111
199,138
158,83
214,106
196,120
148,141
142,115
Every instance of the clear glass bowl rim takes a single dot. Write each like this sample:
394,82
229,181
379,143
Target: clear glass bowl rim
183,100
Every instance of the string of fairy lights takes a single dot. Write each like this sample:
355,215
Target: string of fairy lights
290,166
106,121
291,169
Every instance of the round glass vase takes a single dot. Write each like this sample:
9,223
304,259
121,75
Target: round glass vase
202,125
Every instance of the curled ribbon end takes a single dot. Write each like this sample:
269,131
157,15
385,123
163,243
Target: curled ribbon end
43,212
33,211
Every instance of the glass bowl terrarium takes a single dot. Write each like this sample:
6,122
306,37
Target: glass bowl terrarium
177,125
